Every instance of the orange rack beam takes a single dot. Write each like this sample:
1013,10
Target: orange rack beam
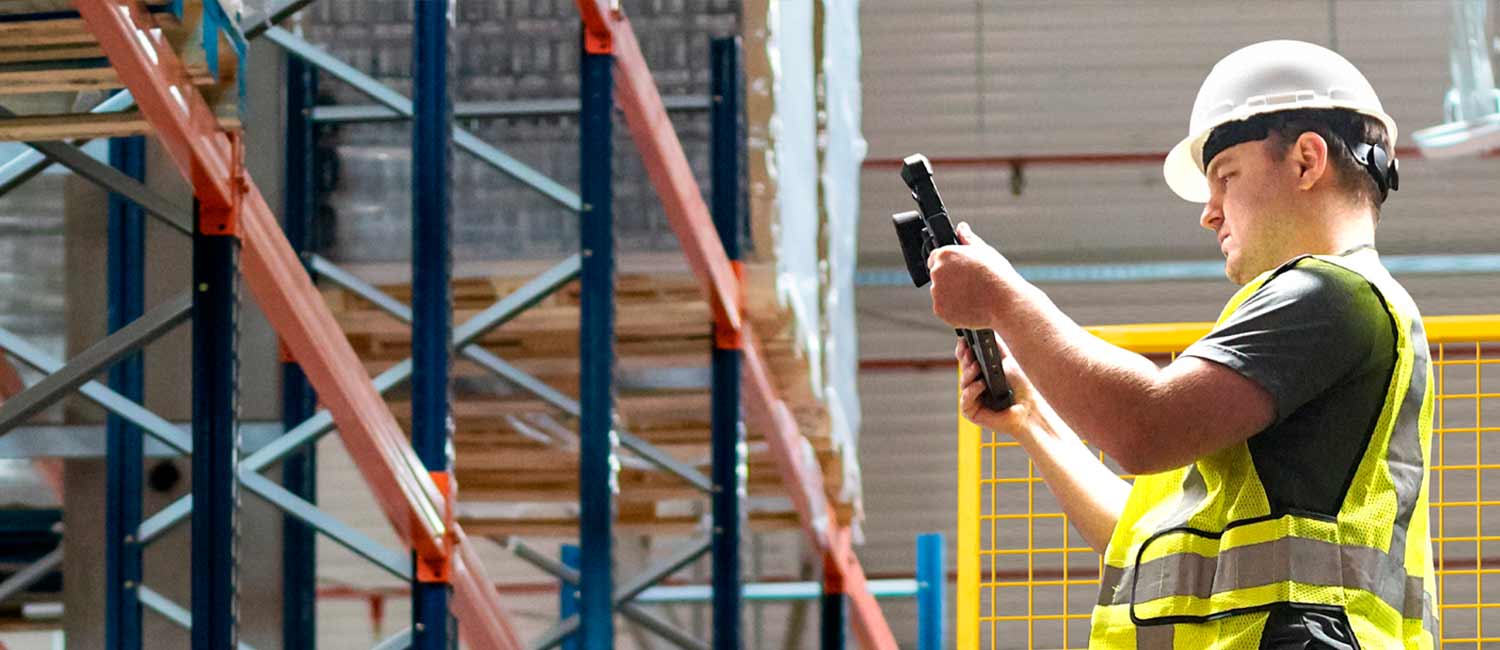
666,164
205,155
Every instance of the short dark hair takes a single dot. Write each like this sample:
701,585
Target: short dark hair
1342,129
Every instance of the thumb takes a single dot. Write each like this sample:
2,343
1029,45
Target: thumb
966,235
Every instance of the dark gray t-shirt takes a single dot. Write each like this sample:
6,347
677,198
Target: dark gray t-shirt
1319,339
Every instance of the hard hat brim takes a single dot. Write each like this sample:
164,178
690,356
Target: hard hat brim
1182,172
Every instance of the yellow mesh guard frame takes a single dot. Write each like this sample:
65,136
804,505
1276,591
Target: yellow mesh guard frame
1026,580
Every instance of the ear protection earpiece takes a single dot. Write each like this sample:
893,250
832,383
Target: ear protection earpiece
1381,166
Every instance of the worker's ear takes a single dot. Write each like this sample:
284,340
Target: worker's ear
1309,155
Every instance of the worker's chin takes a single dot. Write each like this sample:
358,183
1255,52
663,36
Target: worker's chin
1234,271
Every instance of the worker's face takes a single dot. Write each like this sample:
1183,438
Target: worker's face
1249,187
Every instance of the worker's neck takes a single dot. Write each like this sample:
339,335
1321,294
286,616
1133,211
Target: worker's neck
1336,228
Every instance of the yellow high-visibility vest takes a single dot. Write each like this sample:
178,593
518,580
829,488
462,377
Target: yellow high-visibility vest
1198,559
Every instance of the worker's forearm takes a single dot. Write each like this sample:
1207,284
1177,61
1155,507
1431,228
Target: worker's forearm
1090,493
1104,392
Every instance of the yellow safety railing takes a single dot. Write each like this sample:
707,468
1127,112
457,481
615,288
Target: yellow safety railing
1026,579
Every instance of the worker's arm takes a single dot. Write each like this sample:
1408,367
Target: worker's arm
1147,418
1091,495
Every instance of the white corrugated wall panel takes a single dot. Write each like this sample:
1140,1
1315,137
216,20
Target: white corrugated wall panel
997,79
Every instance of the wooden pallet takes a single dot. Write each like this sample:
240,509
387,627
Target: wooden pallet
513,448
52,70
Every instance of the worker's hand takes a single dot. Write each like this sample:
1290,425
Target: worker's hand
1014,420
969,281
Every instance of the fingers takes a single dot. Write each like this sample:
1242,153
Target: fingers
970,401
966,235
962,351
971,370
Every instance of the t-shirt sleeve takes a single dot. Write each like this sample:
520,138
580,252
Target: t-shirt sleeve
1300,333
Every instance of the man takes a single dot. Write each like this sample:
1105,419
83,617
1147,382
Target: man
1281,500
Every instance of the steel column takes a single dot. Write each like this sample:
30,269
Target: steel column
432,308
932,581
596,330
124,442
567,595
215,435
728,436
832,635
299,630
667,166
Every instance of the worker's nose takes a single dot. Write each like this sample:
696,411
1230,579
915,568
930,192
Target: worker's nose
1213,214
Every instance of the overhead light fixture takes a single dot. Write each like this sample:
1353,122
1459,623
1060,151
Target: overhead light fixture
1472,105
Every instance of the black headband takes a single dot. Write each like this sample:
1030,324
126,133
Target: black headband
1229,134
1372,157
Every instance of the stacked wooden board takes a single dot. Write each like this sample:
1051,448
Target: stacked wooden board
52,70
516,457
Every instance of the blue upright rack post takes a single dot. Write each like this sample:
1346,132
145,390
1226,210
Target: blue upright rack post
596,354
833,636
932,582
123,441
215,435
299,630
432,304
567,594
728,438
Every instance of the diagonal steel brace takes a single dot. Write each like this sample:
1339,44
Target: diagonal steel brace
630,610
462,138
489,361
97,358
321,422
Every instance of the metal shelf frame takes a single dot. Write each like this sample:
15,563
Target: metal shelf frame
235,232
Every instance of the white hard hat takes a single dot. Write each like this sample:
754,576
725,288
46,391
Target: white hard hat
1263,78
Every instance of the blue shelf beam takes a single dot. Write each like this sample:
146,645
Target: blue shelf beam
432,299
596,480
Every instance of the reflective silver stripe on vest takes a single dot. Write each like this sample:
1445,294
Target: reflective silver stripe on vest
1190,499
1404,462
1308,561
1404,458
